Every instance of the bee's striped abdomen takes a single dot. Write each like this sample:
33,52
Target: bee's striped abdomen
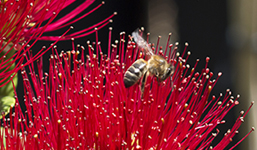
135,72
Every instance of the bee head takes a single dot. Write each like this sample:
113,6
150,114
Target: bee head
168,72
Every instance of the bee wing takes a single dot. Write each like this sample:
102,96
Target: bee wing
142,43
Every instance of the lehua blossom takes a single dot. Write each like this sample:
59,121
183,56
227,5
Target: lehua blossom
82,103
26,20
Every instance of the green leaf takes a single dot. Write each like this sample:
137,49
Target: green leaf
2,132
7,91
6,103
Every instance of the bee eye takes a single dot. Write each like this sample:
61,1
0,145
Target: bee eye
169,70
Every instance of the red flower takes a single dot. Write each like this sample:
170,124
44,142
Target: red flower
24,20
82,103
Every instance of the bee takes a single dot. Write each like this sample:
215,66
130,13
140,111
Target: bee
156,66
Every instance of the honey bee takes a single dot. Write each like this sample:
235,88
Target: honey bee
156,66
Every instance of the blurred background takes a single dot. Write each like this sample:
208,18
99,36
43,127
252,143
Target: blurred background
224,30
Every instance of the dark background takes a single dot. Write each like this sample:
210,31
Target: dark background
202,23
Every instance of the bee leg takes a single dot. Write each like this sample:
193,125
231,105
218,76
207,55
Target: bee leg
143,84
